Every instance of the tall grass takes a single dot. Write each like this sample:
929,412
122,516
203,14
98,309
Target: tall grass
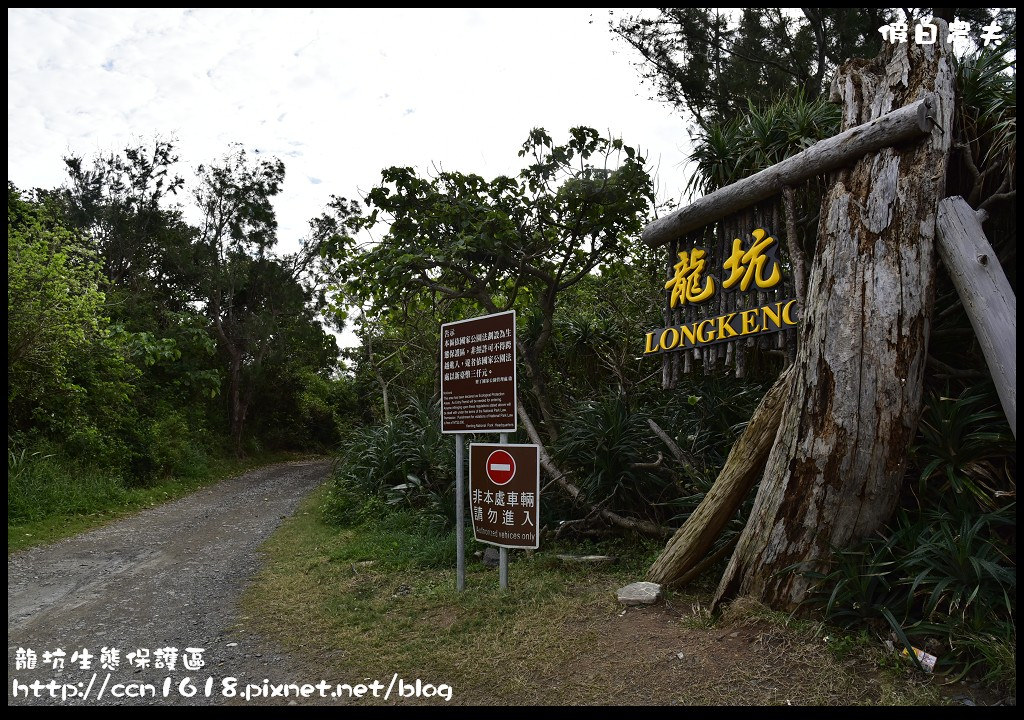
50,496
42,485
403,463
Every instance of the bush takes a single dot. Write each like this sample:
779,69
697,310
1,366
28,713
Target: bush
609,446
174,448
403,463
942,575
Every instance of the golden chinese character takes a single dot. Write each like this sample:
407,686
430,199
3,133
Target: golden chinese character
750,265
685,285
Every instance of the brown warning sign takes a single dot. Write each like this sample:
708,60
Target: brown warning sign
478,374
504,494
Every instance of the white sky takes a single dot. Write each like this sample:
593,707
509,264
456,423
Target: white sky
338,95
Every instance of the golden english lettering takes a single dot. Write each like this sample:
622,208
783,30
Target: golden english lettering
722,328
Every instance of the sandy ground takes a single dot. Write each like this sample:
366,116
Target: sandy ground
168,577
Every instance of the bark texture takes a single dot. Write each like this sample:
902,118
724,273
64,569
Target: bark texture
986,294
835,471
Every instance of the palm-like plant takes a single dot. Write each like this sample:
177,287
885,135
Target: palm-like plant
987,114
966,451
758,139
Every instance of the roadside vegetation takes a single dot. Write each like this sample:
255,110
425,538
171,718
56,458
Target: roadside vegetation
148,356
49,499
376,595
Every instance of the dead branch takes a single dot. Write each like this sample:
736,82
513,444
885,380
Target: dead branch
643,527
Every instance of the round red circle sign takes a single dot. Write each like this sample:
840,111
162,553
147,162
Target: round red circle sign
500,467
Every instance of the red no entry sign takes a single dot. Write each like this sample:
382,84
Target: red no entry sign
500,467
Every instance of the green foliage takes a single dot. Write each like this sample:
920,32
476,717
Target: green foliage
606,441
54,306
458,242
400,539
944,573
758,138
459,235
944,580
987,111
175,448
67,371
608,446
403,463
39,485
711,64
967,454
137,343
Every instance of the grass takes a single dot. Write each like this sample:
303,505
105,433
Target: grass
48,500
402,613
378,598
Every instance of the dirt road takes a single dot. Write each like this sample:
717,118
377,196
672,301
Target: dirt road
168,577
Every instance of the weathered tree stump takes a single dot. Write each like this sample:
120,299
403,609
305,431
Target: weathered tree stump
835,472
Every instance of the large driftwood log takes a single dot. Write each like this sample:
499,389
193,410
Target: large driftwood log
986,294
836,470
741,470
900,125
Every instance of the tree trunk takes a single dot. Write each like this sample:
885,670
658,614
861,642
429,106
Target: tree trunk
741,470
986,294
535,374
836,469
235,398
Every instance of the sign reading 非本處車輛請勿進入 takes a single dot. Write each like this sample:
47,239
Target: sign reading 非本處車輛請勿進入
504,494
478,374
751,267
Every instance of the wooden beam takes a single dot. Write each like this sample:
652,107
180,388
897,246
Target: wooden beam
909,122
986,294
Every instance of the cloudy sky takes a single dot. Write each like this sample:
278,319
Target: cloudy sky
336,94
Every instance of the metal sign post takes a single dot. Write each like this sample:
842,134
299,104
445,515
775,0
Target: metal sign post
504,497
460,515
503,552
478,394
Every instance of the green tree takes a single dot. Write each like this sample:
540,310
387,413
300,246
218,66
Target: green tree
506,243
118,201
261,309
511,242
67,376
708,63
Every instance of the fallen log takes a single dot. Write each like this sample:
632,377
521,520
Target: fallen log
742,469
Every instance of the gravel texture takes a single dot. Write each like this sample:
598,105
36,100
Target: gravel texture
170,576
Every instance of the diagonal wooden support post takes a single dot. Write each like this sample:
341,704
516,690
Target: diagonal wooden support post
986,295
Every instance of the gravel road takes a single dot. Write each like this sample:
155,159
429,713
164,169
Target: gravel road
167,577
